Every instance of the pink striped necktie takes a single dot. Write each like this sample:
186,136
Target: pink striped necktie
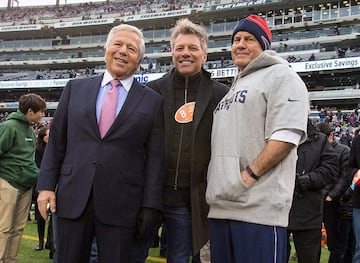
108,108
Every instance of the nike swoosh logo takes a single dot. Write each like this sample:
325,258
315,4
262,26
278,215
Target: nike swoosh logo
292,100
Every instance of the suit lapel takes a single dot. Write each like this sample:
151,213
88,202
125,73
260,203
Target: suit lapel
133,99
91,97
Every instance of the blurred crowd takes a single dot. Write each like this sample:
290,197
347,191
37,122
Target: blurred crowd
90,10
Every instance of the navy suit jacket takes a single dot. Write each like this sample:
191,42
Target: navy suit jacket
124,171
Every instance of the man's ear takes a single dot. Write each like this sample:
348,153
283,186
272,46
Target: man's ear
29,111
204,58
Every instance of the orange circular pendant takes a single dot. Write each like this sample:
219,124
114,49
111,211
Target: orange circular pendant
185,113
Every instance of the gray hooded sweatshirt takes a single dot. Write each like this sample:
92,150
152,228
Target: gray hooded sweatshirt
267,96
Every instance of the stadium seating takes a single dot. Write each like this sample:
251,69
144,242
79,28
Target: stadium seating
43,47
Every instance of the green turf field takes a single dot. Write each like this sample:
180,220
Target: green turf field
27,254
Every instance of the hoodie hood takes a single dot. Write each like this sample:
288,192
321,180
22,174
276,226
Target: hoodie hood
19,116
265,59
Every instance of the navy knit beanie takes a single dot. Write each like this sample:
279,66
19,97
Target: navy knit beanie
256,26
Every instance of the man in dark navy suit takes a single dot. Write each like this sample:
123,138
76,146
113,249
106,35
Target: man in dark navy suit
105,182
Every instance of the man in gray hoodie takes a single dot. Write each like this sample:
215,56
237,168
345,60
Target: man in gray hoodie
257,127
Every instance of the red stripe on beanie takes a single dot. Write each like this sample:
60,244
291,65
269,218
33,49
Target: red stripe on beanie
261,23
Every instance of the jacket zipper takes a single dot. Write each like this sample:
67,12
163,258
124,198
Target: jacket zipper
181,140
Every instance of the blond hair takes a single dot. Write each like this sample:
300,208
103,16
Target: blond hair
186,27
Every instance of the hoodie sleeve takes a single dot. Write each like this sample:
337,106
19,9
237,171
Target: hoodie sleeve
6,139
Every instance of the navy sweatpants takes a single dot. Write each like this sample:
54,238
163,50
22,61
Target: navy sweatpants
240,242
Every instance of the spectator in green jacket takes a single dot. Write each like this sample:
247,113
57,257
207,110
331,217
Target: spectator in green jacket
18,172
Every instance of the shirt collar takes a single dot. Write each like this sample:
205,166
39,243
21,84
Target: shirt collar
126,83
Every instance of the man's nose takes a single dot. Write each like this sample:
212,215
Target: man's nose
122,49
185,51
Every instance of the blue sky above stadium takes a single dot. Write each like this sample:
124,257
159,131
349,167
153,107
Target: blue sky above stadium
22,3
